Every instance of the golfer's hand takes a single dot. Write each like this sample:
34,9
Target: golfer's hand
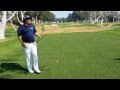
23,45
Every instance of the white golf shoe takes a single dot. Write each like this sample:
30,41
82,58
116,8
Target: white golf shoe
31,71
37,71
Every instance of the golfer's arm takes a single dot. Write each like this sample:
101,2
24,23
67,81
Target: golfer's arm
20,39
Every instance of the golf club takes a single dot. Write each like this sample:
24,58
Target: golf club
43,29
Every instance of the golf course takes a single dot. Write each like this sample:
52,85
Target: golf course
65,51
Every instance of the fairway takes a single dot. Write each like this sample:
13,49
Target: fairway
81,55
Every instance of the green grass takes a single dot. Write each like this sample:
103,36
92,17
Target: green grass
80,55
113,32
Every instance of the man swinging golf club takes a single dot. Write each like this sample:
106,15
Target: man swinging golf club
26,37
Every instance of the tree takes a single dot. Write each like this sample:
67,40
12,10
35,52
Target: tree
4,19
94,16
69,18
78,16
41,15
21,15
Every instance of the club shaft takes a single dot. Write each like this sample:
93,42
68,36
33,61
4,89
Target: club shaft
41,33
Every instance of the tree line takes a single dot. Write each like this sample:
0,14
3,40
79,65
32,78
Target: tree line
92,16
38,16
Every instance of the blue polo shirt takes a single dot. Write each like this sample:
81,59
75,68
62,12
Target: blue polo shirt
27,33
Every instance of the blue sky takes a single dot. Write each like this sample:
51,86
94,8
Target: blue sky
60,14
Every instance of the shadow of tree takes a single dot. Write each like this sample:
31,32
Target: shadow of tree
12,67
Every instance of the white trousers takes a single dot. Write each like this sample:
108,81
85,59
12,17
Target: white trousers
31,56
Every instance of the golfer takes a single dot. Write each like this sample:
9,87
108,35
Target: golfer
26,37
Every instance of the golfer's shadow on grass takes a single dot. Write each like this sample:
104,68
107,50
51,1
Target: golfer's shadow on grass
14,67
116,58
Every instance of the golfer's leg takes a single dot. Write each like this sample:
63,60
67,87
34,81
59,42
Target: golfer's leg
28,58
35,57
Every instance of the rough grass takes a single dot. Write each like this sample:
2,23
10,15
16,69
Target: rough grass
68,28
